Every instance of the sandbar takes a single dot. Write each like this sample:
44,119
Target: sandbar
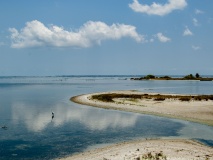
194,111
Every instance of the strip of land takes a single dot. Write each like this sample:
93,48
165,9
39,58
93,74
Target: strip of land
192,108
187,107
187,77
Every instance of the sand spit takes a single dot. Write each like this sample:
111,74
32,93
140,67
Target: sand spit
195,111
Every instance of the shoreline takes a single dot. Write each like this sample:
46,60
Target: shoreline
163,148
169,149
193,111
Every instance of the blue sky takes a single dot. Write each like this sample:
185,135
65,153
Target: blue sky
79,37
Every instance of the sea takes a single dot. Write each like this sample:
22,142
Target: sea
28,130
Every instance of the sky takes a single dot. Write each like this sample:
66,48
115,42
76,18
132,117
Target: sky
99,37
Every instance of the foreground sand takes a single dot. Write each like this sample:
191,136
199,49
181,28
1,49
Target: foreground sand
169,149
179,149
195,111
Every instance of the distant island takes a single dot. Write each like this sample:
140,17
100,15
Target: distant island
187,77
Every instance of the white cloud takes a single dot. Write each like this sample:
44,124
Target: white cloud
196,47
158,9
197,11
36,34
187,32
162,38
195,21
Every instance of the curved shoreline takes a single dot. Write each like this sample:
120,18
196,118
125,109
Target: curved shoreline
172,149
195,111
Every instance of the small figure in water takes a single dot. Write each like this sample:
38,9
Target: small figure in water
52,114
4,127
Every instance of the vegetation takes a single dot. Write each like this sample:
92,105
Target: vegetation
150,156
159,99
186,98
187,77
197,75
155,97
190,77
165,77
150,76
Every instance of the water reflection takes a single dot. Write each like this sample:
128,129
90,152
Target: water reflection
37,119
33,119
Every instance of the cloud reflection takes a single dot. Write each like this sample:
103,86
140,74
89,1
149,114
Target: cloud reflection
33,119
37,118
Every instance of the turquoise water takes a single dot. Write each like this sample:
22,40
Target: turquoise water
26,105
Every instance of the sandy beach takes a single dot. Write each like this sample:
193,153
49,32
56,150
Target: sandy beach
142,149
170,149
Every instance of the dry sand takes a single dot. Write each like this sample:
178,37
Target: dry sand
179,149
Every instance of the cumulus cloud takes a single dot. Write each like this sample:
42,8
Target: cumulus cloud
197,11
195,21
187,32
196,47
162,38
36,34
158,9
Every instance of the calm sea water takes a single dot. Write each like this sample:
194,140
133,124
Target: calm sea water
26,105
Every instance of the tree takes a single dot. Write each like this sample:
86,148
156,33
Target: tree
150,76
197,75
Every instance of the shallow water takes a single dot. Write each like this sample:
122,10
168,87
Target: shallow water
26,105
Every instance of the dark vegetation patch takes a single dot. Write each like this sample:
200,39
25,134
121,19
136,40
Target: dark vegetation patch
187,77
186,98
155,97
159,99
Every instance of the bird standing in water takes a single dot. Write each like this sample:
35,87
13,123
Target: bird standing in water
52,114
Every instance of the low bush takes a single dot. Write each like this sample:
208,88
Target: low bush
159,99
184,98
166,77
189,77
